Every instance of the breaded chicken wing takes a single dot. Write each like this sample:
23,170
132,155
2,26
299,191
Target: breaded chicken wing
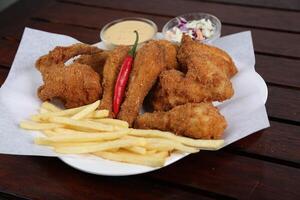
96,61
189,47
207,78
110,74
200,121
75,85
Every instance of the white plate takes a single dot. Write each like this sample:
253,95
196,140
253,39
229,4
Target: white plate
99,166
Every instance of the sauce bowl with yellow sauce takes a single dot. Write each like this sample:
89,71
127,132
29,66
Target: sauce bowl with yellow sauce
121,31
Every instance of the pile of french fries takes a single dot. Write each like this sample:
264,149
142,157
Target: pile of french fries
87,130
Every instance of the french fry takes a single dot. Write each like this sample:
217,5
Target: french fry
167,145
137,150
63,144
87,137
86,111
50,107
128,157
39,126
98,114
49,133
202,144
81,124
113,122
43,110
121,143
62,113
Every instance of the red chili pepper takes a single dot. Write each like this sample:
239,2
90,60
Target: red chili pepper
123,77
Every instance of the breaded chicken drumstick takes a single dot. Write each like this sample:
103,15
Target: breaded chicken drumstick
151,59
110,73
200,121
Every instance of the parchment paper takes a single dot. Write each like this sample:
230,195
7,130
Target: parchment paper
245,112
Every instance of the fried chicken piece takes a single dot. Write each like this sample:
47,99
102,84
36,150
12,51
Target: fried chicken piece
96,61
200,121
111,70
60,55
170,52
207,79
189,47
154,57
148,64
75,85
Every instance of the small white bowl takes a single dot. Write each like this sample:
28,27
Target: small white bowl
110,45
196,16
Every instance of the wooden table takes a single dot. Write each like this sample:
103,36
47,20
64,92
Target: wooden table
264,165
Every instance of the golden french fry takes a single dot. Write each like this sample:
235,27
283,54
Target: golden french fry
86,137
86,111
43,110
50,107
49,133
62,144
67,112
137,149
39,126
167,145
113,122
81,124
202,144
162,154
75,131
128,157
104,146
98,114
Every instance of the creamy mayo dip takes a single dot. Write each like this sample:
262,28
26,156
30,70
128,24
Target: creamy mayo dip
122,33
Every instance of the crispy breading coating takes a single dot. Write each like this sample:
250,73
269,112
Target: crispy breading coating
207,77
75,85
110,74
96,61
200,121
148,64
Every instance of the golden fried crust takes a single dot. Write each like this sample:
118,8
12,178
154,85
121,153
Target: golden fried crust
206,78
170,52
200,121
204,82
59,55
189,47
96,61
148,64
110,74
76,85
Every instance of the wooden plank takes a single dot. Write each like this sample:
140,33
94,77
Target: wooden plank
8,50
284,103
18,14
278,70
280,141
236,176
49,178
277,4
239,15
264,40
3,74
